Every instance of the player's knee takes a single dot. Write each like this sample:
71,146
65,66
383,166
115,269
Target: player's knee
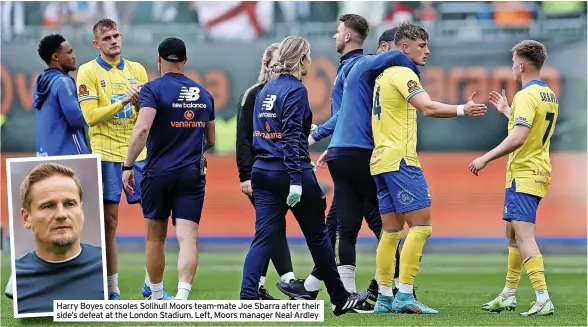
523,240
418,217
110,217
157,230
185,239
392,221
510,234
110,223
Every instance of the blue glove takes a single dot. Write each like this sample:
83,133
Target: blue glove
294,195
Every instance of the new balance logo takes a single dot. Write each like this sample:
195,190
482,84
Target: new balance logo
189,94
268,102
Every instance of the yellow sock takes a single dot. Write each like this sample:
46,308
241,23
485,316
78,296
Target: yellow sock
515,266
386,257
410,258
536,272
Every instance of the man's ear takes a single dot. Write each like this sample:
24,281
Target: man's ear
348,36
25,216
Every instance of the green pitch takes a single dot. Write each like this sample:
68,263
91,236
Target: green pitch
454,284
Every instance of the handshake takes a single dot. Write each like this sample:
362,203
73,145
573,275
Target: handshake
132,95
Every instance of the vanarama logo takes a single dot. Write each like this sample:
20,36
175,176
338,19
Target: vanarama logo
188,124
270,136
189,115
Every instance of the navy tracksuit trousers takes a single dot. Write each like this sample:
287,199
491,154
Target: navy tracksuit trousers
270,189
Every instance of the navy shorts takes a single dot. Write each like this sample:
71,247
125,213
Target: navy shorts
180,195
112,186
402,191
520,206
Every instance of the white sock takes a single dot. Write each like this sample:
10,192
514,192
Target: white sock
312,283
261,282
347,274
156,291
509,291
113,283
287,277
385,290
147,281
183,291
405,288
542,296
396,282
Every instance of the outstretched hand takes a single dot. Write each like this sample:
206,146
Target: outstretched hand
499,101
474,109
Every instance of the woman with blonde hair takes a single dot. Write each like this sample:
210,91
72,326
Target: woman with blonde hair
245,157
283,172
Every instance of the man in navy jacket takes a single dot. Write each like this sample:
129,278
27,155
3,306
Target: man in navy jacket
59,124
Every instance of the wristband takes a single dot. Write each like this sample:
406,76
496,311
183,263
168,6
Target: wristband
460,110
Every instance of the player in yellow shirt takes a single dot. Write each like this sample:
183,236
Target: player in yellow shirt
108,89
531,124
403,194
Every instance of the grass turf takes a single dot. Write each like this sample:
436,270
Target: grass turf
454,284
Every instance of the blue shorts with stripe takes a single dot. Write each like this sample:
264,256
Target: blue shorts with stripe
112,186
403,190
520,206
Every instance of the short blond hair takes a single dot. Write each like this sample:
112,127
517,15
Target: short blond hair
265,73
42,172
532,51
291,52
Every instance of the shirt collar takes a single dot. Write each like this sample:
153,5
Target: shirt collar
351,54
535,82
107,66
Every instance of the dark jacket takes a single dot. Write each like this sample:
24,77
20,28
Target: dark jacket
245,154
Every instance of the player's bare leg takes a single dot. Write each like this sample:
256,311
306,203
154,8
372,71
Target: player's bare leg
155,256
533,263
419,222
110,225
392,228
507,300
187,234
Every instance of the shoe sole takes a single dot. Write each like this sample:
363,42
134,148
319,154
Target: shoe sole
509,308
361,311
539,315
342,312
294,296
415,313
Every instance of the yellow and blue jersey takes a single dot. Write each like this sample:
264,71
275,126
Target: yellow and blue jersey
394,120
537,108
101,87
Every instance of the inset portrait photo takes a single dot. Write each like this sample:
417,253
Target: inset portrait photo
56,232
